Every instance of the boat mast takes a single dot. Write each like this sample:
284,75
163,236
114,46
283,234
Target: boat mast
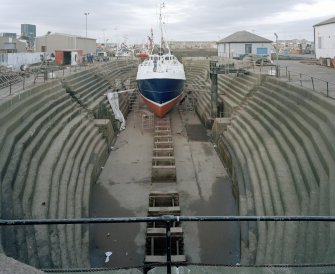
162,40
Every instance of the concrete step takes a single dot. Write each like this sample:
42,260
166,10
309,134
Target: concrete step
89,89
306,184
25,184
309,158
271,200
316,143
28,129
88,133
12,118
82,84
253,159
92,106
15,155
94,94
58,256
234,85
304,95
316,115
18,186
26,98
229,105
288,190
32,190
230,93
73,78
231,160
96,159
322,152
253,206
40,204
73,186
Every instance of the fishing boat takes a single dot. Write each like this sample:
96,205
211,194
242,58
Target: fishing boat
161,77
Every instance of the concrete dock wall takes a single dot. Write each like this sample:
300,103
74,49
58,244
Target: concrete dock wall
52,149
278,146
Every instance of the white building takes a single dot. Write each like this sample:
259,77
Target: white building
59,41
324,39
243,42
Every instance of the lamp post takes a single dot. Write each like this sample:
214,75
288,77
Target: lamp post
86,14
277,52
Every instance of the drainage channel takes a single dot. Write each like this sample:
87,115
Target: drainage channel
163,202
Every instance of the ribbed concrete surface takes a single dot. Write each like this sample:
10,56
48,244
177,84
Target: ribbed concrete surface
11,266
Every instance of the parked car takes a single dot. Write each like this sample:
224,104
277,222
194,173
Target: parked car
102,56
258,59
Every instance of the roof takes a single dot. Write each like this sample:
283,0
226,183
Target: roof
326,22
66,35
244,37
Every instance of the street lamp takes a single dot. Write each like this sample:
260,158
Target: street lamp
277,52
86,14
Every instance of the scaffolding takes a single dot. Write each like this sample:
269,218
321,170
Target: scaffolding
9,77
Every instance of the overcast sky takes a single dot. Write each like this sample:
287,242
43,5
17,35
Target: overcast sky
117,20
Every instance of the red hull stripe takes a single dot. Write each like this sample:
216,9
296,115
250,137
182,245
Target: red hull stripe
161,110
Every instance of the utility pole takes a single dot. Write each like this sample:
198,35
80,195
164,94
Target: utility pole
277,52
86,14
214,88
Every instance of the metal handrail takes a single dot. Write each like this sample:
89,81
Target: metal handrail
168,220
284,72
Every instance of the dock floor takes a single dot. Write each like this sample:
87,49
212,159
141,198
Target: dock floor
204,188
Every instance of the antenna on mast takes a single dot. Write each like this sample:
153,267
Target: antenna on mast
162,40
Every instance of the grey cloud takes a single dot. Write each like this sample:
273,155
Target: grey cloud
189,19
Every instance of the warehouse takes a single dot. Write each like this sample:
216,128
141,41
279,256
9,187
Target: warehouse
59,41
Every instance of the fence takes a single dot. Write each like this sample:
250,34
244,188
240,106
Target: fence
20,83
316,84
168,220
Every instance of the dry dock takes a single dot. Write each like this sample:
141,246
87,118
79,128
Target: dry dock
202,183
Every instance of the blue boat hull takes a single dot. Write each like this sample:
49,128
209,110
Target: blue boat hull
161,94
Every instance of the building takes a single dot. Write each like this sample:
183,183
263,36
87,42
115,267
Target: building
28,32
8,34
324,39
59,41
192,44
12,45
243,42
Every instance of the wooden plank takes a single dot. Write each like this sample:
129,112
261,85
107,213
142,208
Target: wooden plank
164,210
162,259
160,231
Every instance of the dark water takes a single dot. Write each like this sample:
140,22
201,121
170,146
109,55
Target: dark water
219,241
117,238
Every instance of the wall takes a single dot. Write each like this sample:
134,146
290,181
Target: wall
58,41
15,60
237,49
325,34
12,43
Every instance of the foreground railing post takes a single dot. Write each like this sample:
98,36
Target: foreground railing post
313,83
168,245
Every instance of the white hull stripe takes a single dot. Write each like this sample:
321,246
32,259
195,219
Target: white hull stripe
160,105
